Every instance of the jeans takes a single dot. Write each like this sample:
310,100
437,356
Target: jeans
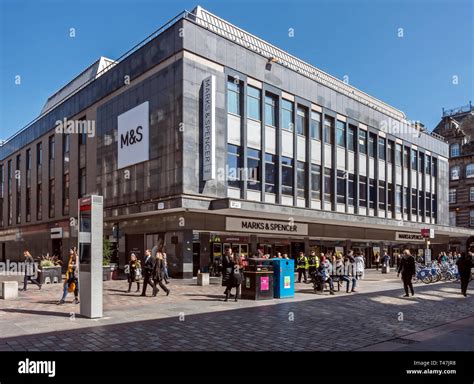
30,278
348,279
66,287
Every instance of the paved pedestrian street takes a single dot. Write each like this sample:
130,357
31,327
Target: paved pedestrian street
195,318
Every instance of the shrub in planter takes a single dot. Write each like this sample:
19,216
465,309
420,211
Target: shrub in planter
49,270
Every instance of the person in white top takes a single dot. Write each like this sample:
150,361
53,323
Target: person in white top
359,266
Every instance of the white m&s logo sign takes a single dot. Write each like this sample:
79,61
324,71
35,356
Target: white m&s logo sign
133,136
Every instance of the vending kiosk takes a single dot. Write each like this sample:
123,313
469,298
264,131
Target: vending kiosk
90,240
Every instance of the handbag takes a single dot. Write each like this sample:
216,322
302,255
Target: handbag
138,273
71,287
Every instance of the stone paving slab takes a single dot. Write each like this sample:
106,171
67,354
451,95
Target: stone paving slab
196,318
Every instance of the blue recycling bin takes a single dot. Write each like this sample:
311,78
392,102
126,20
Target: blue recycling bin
283,278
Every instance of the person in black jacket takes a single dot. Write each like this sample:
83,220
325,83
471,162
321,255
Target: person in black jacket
148,267
226,268
408,270
30,271
464,264
134,272
158,273
235,277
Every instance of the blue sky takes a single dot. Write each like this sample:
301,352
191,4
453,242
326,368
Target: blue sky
358,38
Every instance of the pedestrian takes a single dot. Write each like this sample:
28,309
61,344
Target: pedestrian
465,264
285,256
324,273
166,276
71,284
302,267
134,272
235,277
227,268
359,264
158,273
148,267
30,271
377,260
313,263
407,269
386,260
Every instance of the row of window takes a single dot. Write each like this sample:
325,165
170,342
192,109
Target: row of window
453,220
345,134
455,171
345,184
39,185
454,150
453,195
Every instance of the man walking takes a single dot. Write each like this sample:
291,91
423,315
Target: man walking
302,266
408,270
464,264
30,271
148,267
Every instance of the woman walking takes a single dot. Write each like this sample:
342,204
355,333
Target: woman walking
158,273
71,284
134,272
235,277
359,263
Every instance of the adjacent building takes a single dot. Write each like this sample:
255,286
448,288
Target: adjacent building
457,127
204,136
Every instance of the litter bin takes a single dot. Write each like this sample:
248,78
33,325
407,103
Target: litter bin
283,278
258,280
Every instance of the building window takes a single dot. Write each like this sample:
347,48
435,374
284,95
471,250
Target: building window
454,150
382,148
351,138
82,182
341,187
372,193
428,165
421,163
253,103
233,166
341,133
452,218
18,189
434,167
66,143
328,185
362,191
300,178
39,202
66,194
315,125
301,121
372,145
270,172
315,182
471,218
28,204
270,110
471,194
421,200
51,147
470,170
406,200
390,151
435,206
452,196
287,115
351,190
455,171
362,142
398,199
51,198
2,191
390,197
328,129
398,154
414,159
28,159
428,204
254,169
233,96
414,197
382,195
406,157
39,154
286,176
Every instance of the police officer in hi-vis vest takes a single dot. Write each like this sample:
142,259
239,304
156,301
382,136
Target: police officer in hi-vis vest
313,263
302,267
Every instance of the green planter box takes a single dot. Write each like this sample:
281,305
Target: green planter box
50,275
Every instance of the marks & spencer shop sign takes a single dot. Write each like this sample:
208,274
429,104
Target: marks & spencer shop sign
265,226
209,128
408,236
133,136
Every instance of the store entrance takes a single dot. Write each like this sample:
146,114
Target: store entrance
196,257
